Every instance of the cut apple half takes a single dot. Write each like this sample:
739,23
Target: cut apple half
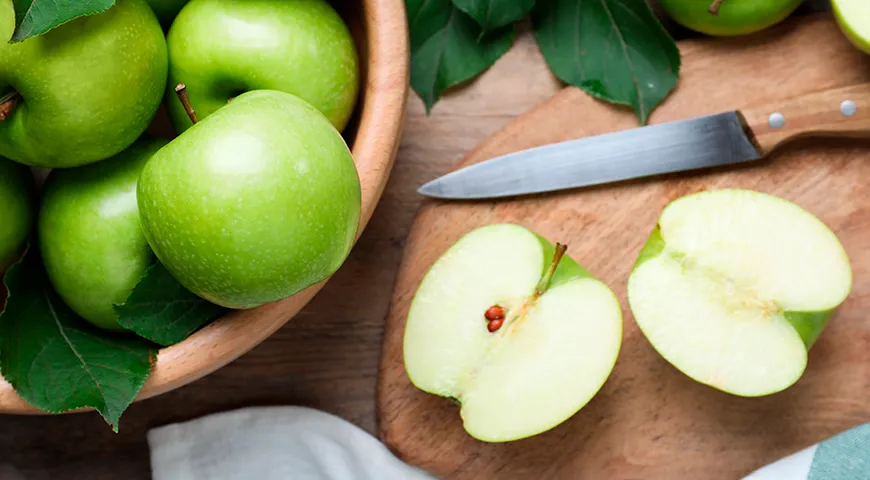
733,287
518,334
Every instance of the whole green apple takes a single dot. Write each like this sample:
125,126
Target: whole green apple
87,89
729,17
16,210
166,10
222,48
90,236
256,202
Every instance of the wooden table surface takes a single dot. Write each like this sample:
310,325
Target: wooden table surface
327,357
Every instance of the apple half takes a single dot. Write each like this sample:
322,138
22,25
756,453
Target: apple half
733,287
529,369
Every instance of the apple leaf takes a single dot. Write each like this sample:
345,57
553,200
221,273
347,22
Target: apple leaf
492,14
449,47
58,362
35,17
615,50
162,310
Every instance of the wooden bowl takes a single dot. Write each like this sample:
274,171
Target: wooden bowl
380,30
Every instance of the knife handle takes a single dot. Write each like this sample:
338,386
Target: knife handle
843,112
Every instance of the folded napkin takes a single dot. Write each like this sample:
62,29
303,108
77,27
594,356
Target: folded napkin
266,443
299,443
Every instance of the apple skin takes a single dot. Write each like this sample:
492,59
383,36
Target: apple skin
809,325
255,203
843,10
90,236
16,213
221,48
736,17
87,89
166,10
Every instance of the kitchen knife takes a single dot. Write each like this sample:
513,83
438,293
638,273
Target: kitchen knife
727,138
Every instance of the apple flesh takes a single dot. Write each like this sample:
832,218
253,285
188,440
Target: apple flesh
87,89
255,203
222,48
90,236
557,346
16,211
733,287
853,18
732,17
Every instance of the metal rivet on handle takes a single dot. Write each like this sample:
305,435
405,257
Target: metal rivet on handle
776,120
848,108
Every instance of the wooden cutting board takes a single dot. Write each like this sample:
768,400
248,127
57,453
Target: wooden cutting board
650,421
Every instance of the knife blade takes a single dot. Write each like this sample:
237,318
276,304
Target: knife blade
721,139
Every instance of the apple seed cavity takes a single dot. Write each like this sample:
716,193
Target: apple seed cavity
519,314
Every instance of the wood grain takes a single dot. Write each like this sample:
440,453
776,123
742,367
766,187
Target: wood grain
650,421
815,114
379,28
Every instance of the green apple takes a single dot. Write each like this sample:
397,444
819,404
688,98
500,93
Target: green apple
16,210
90,236
222,48
853,17
256,202
733,287
729,17
87,89
166,10
558,341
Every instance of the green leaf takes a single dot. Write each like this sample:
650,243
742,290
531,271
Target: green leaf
616,50
58,362
162,310
492,14
448,47
35,17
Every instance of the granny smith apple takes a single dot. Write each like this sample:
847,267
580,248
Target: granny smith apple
853,17
90,235
86,89
222,48
16,210
256,202
513,330
729,17
166,10
733,287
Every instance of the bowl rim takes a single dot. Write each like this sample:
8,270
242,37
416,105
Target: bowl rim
375,145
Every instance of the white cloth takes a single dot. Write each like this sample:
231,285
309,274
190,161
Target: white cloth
272,443
794,466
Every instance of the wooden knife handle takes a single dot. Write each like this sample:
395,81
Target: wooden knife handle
841,112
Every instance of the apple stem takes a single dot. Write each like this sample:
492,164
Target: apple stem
7,103
181,91
544,284
714,7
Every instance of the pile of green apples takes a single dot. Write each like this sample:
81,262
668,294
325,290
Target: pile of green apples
254,200
732,287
